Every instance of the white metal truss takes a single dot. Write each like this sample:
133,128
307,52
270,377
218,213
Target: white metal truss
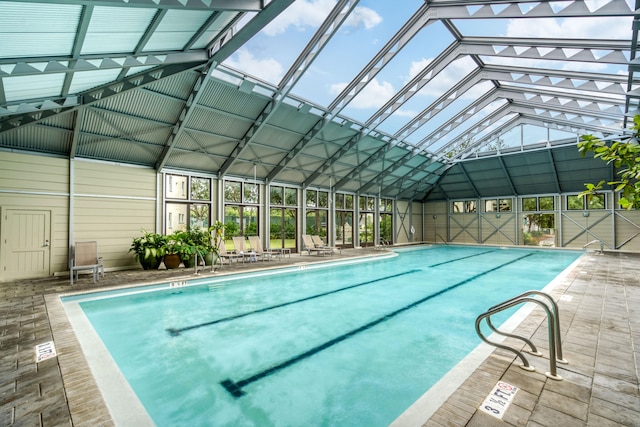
336,18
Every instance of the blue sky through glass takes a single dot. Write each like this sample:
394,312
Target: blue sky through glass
373,23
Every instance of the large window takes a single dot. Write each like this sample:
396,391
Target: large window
283,202
241,210
498,205
538,225
187,202
366,223
578,203
386,220
344,220
544,203
317,213
464,206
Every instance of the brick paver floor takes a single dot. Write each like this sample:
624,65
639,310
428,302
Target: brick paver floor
599,304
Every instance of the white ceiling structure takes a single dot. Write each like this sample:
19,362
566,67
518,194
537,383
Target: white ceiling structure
419,100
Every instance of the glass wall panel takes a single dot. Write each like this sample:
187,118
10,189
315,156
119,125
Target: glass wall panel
200,189
547,203
291,197
188,203
275,195
176,217
199,215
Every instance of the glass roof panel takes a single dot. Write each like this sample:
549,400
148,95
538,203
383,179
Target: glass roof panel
33,87
589,67
122,30
223,19
464,128
357,42
429,93
176,29
581,28
85,80
418,137
271,52
35,29
415,57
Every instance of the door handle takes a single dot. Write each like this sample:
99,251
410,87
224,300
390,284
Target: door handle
46,243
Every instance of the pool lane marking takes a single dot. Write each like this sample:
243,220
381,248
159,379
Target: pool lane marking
461,258
235,387
177,331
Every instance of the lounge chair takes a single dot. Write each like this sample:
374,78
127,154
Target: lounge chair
309,246
85,257
256,246
317,240
241,248
229,256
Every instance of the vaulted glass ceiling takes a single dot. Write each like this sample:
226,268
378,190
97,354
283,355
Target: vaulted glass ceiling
368,96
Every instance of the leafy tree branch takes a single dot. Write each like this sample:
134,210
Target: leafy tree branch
625,157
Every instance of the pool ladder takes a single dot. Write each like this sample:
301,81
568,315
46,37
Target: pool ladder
595,241
553,320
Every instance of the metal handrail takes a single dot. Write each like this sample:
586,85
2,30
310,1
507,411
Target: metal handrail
553,319
595,241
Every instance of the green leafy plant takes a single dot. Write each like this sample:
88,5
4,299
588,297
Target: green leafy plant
149,245
149,249
216,235
182,244
625,157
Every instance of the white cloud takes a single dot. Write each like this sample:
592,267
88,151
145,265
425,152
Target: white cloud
311,13
364,16
267,69
301,14
444,80
374,94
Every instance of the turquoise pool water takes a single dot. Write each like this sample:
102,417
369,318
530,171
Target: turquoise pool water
342,345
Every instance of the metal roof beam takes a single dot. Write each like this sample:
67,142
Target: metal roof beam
417,21
472,9
382,58
327,30
495,72
466,176
53,107
506,174
554,171
81,33
422,169
517,95
566,50
378,155
519,109
439,104
352,142
434,67
213,5
59,65
220,51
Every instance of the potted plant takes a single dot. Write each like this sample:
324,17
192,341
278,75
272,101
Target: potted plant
176,249
215,235
197,242
148,249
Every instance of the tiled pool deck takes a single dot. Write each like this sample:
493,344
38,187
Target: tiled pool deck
600,320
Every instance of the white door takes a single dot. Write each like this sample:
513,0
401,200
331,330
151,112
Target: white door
26,237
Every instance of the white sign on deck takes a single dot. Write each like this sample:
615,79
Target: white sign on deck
45,351
499,399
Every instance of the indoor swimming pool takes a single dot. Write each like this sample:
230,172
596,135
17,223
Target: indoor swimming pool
341,344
